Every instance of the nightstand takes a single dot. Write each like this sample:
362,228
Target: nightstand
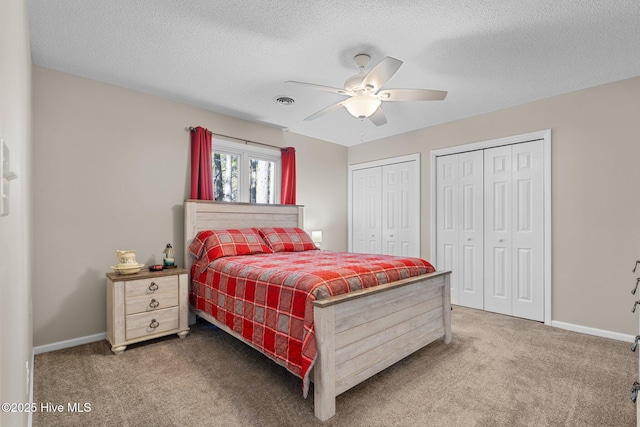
146,305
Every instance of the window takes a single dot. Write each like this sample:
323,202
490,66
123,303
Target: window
243,173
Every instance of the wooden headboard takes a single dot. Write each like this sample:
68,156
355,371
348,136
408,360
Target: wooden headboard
207,215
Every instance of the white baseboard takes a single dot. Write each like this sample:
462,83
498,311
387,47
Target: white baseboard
69,343
593,331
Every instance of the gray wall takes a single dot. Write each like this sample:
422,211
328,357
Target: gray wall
111,171
595,187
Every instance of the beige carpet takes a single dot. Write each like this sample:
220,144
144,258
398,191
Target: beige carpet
498,371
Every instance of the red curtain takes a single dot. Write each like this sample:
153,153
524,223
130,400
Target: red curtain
288,190
201,180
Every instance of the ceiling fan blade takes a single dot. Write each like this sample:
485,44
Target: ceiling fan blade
327,110
378,118
321,87
381,73
412,95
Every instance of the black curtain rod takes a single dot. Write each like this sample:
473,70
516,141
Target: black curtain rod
191,129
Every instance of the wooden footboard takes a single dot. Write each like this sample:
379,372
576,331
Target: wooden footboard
361,333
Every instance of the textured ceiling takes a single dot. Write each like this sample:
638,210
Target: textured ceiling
233,57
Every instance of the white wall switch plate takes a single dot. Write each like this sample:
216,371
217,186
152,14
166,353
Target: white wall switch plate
7,176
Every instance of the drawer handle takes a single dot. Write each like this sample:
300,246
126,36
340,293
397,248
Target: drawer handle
635,304
153,287
154,324
154,303
635,289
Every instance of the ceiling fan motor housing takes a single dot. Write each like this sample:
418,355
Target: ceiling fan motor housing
354,82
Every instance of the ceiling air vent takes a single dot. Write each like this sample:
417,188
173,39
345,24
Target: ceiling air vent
284,100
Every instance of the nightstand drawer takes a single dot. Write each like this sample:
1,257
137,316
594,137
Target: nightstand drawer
151,286
139,325
149,303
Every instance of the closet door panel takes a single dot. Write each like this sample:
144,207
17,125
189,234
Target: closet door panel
390,199
409,209
400,219
498,224
359,222
367,214
470,235
447,247
500,273
374,211
528,233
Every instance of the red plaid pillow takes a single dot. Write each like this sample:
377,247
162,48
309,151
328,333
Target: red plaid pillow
197,246
214,244
287,239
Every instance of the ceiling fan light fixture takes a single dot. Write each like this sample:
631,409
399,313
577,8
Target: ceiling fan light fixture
362,106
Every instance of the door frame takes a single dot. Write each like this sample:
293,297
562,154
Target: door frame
545,136
383,162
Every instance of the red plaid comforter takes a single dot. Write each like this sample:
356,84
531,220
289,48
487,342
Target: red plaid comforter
268,298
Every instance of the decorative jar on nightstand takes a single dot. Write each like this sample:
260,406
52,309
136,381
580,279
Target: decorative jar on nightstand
146,305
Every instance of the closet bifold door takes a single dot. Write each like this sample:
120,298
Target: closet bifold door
459,219
471,236
447,219
367,210
400,218
513,230
385,208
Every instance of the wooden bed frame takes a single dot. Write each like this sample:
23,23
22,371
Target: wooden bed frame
357,334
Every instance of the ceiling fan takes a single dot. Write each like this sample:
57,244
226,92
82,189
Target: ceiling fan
364,91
